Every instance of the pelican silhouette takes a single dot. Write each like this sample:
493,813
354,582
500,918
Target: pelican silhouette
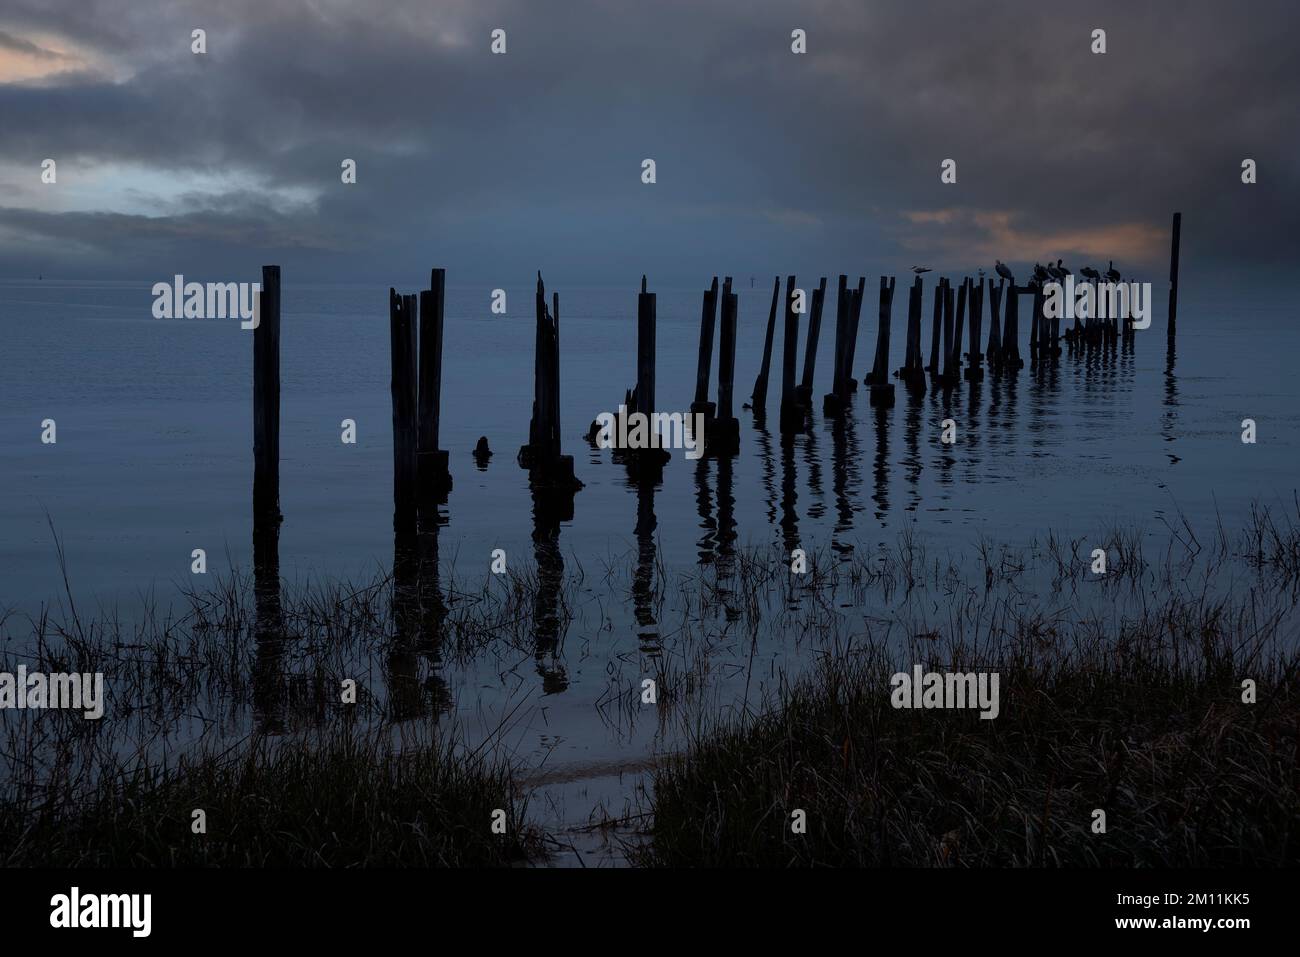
1087,272
1001,269
1041,274
1112,274
1062,271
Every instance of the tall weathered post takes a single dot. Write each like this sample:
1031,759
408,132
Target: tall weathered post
644,461
833,401
723,435
804,391
882,390
912,371
703,366
1034,313
1011,330
974,358
402,386
645,351
963,292
940,293
266,399
433,474
758,399
994,349
550,472
848,380
792,417
947,377
1173,276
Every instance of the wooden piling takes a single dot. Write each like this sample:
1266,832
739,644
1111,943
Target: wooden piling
708,317
804,392
758,399
939,294
266,399
963,293
1035,314
1172,327
432,465
833,401
645,350
792,418
403,387
882,390
723,435
1011,330
1054,335
994,349
975,358
912,371
947,377
550,473
848,380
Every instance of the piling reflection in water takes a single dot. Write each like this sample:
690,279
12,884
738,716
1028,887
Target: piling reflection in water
551,508
402,666
726,518
708,542
845,480
268,627
881,462
1169,418
644,593
789,497
912,464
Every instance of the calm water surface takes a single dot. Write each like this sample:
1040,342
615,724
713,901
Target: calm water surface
154,459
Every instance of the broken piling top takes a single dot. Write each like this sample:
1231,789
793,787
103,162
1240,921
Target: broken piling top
541,289
643,284
708,318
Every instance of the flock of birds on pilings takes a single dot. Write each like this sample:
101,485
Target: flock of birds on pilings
1048,273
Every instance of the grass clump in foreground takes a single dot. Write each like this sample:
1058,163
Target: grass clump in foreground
345,803
1187,774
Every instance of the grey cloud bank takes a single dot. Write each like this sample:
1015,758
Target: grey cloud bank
766,160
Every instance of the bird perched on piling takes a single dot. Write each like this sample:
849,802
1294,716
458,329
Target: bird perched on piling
1041,275
1112,274
1061,271
1001,268
920,269
1087,272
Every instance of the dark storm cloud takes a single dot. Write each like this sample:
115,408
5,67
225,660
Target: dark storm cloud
767,161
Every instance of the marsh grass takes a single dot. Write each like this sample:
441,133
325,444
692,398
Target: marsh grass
1186,773
1119,691
341,801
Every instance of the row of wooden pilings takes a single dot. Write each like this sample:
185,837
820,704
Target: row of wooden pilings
421,473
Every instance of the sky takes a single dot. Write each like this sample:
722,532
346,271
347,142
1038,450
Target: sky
766,161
